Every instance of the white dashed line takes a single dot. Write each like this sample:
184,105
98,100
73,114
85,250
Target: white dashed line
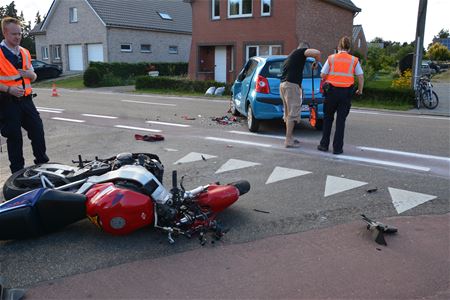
384,162
150,103
405,153
237,142
400,115
49,111
69,120
99,116
50,108
137,128
257,134
167,124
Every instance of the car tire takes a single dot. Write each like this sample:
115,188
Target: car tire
319,125
233,109
252,122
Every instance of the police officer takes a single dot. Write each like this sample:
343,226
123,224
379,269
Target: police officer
17,109
339,71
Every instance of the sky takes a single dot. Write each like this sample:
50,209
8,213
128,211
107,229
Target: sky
393,20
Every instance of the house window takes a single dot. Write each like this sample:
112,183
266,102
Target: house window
57,52
146,48
266,7
125,48
359,43
215,9
44,52
173,49
165,16
73,15
259,50
239,8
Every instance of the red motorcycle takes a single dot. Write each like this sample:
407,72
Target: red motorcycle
120,202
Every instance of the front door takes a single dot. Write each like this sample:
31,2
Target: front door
220,62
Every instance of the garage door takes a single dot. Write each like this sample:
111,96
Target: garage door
75,58
95,52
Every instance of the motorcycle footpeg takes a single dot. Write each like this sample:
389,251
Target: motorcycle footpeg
170,238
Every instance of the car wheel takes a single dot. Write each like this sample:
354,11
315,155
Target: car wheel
233,109
319,124
252,122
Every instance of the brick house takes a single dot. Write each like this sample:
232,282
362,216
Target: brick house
225,33
359,40
78,31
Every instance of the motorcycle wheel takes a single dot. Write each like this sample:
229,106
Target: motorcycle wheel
13,188
242,185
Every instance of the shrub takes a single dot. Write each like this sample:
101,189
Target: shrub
404,81
177,84
126,70
391,95
92,77
111,80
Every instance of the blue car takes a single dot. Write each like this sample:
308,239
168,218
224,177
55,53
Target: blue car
256,91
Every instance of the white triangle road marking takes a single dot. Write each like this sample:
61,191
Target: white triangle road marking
280,173
336,185
235,164
193,156
405,200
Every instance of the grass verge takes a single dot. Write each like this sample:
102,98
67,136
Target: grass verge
72,82
442,77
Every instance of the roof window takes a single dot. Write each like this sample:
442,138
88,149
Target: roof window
165,16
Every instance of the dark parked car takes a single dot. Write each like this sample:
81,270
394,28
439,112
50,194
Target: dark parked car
45,70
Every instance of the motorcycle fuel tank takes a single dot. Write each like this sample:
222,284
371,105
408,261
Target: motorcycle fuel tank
118,210
218,197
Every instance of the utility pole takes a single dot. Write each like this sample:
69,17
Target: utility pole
420,29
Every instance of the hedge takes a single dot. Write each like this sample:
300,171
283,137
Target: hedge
126,70
397,95
177,84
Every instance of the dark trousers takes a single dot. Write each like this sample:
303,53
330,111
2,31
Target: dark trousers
338,100
14,115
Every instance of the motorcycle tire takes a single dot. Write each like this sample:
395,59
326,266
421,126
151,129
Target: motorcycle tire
242,185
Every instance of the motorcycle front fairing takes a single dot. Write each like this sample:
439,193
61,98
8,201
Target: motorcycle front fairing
39,212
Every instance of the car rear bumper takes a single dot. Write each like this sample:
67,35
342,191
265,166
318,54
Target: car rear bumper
272,108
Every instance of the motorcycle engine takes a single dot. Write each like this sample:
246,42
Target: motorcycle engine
123,159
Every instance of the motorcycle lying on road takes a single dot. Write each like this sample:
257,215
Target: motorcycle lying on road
120,202
53,175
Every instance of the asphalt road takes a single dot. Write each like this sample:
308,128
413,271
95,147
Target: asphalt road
404,157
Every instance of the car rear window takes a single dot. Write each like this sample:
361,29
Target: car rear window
273,69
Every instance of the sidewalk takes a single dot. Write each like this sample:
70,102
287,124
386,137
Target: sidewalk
442,89
341,262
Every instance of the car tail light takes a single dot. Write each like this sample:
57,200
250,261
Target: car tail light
262,85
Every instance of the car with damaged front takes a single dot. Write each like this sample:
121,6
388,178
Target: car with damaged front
256,91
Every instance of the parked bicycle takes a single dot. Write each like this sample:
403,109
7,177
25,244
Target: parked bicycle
425,94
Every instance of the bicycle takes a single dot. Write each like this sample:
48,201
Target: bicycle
425,94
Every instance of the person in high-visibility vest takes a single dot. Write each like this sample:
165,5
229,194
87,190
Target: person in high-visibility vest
291,88
17,109
339,71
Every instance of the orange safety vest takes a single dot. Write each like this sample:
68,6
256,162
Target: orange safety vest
10,76
342,67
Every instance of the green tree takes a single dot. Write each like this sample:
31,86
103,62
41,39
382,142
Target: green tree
443,34
38,18
437,51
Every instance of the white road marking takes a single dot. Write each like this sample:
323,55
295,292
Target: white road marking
137,128
99,116
150,103
50,108
256,134
400,115
384,163
336,185
405,153
193,156
236,164
50,111
168,124
69,120
170,150
405,200
280,173
237,142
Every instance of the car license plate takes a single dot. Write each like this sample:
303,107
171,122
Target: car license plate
305,107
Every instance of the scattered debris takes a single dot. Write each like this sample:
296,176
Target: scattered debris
149,138
187,118
370,191
203,158
378,229
225,120
261,211
229,146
